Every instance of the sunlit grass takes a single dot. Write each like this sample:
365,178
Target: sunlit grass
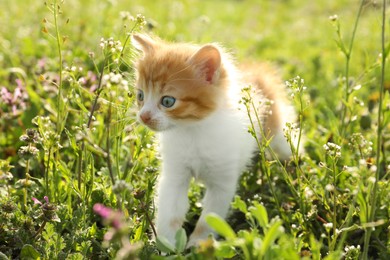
68,130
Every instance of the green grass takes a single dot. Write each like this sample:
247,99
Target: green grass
71,134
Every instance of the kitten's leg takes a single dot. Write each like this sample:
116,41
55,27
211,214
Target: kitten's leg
218,197
172,203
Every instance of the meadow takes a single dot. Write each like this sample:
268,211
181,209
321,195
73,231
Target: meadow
77,172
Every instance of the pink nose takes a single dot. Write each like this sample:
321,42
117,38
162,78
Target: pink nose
145,117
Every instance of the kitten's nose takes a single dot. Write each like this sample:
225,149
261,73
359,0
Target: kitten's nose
145,117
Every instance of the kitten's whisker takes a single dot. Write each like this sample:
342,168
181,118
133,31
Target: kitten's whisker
107,102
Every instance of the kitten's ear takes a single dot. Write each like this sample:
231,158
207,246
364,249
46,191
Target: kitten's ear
208,60
143,43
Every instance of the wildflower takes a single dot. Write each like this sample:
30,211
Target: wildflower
334,17
363,145
8,207
329,187
332,150
121,186
313,211
48,209
358,101
308,193
322,164
89,81
352,252
111,217
5,168
36,201
297,85
293,226
140,19
31,136
14,102
328,226
28,152
362,163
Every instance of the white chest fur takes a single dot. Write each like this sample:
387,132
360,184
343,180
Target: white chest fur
206,148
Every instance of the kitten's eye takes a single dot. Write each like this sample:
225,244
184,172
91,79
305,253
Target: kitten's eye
140,95
168,101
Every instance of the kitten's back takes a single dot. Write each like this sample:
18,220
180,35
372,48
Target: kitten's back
265,78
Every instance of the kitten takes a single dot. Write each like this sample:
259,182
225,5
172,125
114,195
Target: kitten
190,95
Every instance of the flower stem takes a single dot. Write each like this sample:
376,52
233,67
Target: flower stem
379,138
348,54
40,229
59,49
25,185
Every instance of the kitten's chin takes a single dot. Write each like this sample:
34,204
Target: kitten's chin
158,127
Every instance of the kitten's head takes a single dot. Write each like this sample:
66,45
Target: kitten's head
177,83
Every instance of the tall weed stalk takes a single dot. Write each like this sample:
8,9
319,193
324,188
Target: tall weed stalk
379,137
348,54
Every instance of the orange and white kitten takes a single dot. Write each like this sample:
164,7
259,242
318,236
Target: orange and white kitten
190,95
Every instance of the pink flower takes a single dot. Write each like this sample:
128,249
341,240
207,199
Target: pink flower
110,216
16,101
102,210
36,201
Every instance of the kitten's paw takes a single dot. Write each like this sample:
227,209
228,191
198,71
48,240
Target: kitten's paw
200,234
194,242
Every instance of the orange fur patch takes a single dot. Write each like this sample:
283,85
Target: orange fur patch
176,223
265,79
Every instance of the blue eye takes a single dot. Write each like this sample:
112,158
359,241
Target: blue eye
168,101
140,95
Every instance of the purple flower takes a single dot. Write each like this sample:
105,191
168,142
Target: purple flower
102,210
48,209
41,63
15,101
110,216
6,96
36,201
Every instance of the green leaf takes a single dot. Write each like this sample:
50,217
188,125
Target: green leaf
181,240
225,251
315,247
239,204
93,230
220,226
363,208
270,236
260,213
3,256
164,245
334,255
29,252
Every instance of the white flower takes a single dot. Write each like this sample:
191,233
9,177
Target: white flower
328,225
308,193
329,187
372,179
